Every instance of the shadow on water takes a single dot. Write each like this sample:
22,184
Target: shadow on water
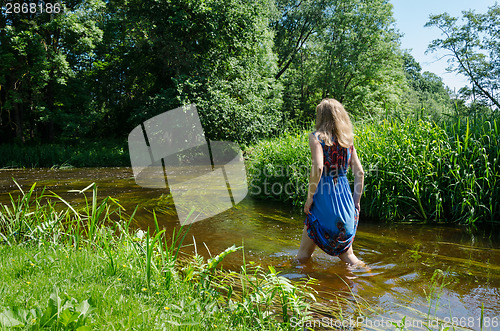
415,270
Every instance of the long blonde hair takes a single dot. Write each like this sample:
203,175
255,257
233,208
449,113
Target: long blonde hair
333,122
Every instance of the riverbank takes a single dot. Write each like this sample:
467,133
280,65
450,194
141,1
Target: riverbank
415,170
62,155
85,269
403,258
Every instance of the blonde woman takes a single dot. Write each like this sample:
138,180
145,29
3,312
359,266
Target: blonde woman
332,210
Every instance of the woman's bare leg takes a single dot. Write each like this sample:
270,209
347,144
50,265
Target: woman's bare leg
349,257
307,247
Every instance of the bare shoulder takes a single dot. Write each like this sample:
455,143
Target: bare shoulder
313,139
314,144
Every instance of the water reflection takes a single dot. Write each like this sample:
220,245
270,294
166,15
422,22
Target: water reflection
402,258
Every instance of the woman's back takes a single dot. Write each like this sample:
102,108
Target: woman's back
333,218
332,210
335,157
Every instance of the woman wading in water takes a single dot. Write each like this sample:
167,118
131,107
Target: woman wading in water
332,211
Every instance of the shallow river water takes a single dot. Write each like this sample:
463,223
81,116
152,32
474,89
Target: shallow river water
401,258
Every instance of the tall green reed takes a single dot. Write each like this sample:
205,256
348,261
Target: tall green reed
278,168
431,172
414,169
255,297
29,218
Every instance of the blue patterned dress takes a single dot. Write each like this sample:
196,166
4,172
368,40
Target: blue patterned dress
333,220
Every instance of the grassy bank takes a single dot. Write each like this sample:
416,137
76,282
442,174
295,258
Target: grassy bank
414,169
84,154
84,269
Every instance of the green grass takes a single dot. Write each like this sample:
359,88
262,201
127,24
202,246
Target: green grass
278,168
67,268
79,269
414,169
83,154
420,170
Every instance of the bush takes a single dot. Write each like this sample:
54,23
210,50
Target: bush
85,154
279,168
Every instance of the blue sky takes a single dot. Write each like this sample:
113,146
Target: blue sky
411,17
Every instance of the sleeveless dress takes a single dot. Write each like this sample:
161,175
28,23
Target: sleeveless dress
333,220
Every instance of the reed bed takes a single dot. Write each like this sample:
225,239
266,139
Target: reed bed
278,168
414,169
420,170
82,154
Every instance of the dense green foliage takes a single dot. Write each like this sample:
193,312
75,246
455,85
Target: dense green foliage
474,49
348,50
69,268
42,60
427,94
414,169
97,69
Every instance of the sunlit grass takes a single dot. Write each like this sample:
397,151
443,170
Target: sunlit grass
278,168
60,155
414,169
420,170
85,268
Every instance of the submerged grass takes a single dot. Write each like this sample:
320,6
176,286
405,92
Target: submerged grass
70,268
414,169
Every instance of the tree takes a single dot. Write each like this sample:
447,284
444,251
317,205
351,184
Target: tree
353,56
427,93
214,53
473,48
412,70
41,53
362,66
296,21
99,68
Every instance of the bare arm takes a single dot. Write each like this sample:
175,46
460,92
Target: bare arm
359,176
316,170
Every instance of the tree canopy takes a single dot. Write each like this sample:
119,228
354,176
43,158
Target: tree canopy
473,47
96,68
